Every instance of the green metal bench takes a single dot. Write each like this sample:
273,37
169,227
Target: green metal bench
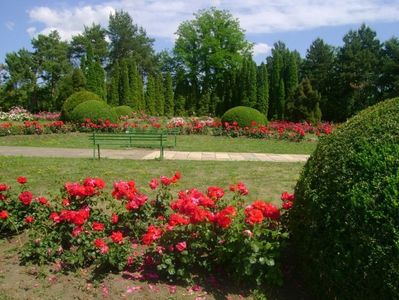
167,132
129,140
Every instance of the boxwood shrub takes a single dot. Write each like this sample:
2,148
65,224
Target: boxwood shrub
74,100
345,221
123,110
93,110
244,116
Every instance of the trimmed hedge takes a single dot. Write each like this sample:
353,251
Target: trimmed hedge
74,100
123,110
93,110
244,116
345,221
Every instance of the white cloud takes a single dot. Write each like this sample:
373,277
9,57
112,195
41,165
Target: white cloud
261,49
161,18
69,22
31,31
10,25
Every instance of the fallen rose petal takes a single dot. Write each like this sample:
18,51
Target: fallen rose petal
153,288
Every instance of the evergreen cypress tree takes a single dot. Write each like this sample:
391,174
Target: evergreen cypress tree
134,86
159,96
78,80
168,95
150,95
262,103
281,100
251,83
291,81
113,97
124,87
203,105
275,84
180,104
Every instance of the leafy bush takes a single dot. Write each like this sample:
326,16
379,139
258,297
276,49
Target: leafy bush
345,224
74,100
244,116
124,110
93,110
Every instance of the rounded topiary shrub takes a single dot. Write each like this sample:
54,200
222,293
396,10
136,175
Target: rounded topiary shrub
345,221
244,116
123,110
93,110
74,100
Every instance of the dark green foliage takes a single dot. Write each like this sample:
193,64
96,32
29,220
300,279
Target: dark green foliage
150,95
204,104
136,86
292,75
318,68
123,110
357,72
304,104
124,87
168,95
247,83
262,84
344,224
113,96
74,100
94,73
281,100
159,96
93,110
389,81
244,116
78,80
180,106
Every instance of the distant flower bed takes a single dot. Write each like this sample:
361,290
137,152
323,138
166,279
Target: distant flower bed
153,235
187,125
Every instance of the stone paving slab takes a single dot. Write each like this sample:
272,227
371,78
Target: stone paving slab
146,154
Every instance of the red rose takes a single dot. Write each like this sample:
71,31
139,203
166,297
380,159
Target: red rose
22,180
42,200
3,214
77,230
101,245
29,219
55,217
117,237
253,216
26,197
181,246
285,196
165,180
153,184
114,218
287,205
3,187
98,226
271,212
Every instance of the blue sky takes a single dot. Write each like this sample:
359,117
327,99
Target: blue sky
297,23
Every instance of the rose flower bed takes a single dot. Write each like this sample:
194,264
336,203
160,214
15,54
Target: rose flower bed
158,235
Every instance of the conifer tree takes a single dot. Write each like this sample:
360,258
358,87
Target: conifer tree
113,97
78,80
159,96
168,95
275,84
150,95
281,100
134,86
124,87
203,105
180,104
262,103
291,81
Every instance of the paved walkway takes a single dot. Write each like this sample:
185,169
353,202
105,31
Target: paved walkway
146,154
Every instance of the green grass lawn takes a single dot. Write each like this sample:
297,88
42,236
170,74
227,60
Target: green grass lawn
265,180
184,143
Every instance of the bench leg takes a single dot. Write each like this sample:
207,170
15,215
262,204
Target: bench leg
94,151
98,148
161,154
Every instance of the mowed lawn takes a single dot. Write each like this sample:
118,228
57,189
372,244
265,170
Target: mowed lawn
265,180
184,143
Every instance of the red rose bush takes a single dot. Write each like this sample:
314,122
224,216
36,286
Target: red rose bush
172,236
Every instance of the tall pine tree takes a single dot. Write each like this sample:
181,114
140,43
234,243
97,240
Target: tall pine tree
150,95
113,96
262,82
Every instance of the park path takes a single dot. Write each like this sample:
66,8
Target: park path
146,154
